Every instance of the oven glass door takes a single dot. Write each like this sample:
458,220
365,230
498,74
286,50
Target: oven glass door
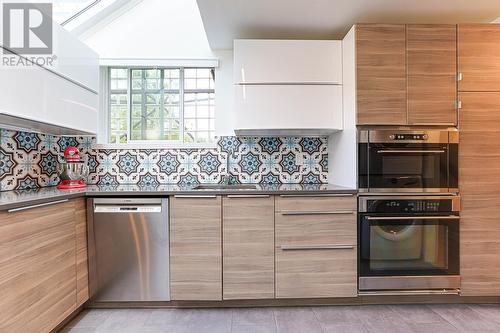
410,166
395,246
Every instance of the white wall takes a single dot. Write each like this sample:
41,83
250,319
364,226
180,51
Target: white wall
342,147
224,94
153,29
148,34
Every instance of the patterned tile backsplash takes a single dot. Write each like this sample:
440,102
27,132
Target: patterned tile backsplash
28,160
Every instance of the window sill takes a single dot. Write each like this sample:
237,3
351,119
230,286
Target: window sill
155,145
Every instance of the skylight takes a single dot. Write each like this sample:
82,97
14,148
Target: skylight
66,9
63,10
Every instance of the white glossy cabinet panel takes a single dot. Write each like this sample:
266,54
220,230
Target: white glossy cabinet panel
38,95
75,60
300,107
23,92
71,106
287,61
59,97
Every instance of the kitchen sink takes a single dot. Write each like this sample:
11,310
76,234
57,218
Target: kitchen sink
225,187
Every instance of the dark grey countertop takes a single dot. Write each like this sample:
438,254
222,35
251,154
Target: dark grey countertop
17,199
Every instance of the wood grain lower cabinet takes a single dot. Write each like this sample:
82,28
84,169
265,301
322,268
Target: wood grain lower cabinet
37,268
248,247
479,175
431,56
195,248
82,268
315,241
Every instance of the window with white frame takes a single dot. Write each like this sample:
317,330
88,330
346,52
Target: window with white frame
174,105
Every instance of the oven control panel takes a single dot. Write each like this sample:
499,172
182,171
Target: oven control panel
406,137
407,205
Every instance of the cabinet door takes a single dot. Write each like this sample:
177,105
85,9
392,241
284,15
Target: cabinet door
381,74
82,268
38,268
479,57
431,74
316,247
479,166
195,248
274,61
271,107
248,247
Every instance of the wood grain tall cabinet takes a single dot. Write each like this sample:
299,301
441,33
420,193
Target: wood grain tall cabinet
431,53
479,158
406,74
381,74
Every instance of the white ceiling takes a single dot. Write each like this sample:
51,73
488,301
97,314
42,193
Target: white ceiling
225,20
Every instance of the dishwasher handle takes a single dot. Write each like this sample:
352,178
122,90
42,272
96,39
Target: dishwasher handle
127,209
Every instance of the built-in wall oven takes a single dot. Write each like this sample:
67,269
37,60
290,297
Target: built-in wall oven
409,243
408,160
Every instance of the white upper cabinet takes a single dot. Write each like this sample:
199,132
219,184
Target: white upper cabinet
46,102
288,87
300,110
75,60
57,98
287,61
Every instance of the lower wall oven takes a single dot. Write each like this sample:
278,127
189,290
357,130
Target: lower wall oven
409,243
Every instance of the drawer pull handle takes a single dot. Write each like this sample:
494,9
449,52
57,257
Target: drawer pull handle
316,195
316,247
36,206
249,196
195,196
335,212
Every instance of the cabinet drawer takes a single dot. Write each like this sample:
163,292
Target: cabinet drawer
323,203
315,230
316,273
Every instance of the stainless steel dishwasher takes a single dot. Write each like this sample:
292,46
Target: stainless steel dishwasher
128,249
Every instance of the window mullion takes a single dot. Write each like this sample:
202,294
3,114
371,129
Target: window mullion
110,133
181,103
129,104
143,105
162,106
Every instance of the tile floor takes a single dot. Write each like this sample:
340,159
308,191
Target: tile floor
458,318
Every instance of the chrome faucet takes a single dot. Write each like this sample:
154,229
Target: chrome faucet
226,179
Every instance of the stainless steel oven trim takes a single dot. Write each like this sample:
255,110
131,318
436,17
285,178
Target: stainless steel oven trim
412,217
384,135
407,194
410,190
410,151
455,200
409,282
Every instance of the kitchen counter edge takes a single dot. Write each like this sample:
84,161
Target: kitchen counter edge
18,199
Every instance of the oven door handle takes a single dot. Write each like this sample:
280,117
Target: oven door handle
410,151
392,218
